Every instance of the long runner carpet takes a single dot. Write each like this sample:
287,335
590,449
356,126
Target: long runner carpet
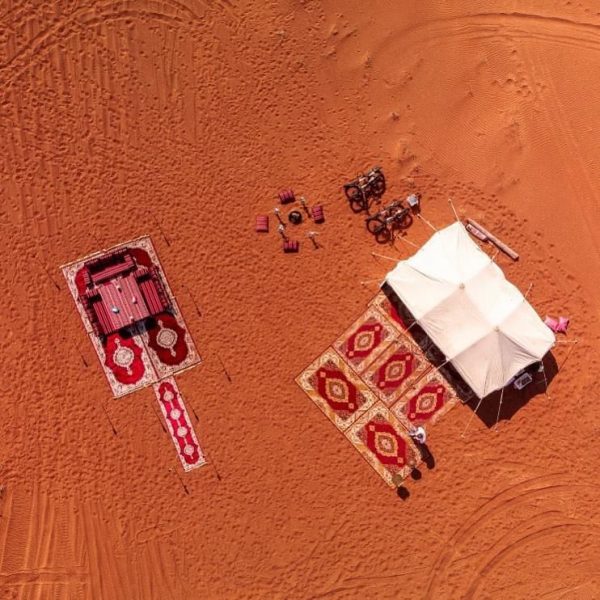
179,424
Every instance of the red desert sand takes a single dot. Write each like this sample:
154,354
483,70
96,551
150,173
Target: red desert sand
182,120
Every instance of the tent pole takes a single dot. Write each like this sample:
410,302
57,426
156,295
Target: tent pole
572,345
499,409
545,381
370,281
399,237
386,257
426,221
462,435
453,209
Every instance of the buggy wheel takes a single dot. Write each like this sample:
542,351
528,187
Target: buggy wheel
405,221
379,185
374,224
358,204
353,192
383,234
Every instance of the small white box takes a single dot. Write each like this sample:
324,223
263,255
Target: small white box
523,381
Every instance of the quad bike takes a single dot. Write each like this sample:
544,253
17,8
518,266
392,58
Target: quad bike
364,187
393,216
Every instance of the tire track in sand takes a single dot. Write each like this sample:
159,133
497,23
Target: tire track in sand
527,26
36,557
100,15
496,506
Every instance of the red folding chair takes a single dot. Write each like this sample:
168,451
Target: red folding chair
291,246
262,224
317,213
286,196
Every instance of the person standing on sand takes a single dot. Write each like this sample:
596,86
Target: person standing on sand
418,434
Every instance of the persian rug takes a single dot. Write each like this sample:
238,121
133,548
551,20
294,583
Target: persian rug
396,369
125,363
165,342
365,339
385,444
334,387
383,304
178,422
431,398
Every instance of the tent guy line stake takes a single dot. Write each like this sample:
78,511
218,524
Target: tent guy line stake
528,289
212,462
386,257
198,311
562,364
453,209
399,237
158,416
48,274
109,419
462,435
185,489
224,369
545,381
499,409
160,229
426,221
370,281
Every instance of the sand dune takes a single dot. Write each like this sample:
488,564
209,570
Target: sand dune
182,120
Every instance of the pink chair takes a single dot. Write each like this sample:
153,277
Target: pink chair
291,246
262,224
563,324
552,323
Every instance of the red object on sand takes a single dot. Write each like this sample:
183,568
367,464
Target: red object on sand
291,246
286,196
262,224
317,213
180,426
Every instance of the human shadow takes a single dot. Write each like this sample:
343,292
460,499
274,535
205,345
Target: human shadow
403,492
490,409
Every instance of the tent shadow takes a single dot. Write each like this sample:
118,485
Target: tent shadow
512,401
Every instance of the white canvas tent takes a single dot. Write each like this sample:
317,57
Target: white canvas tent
478,319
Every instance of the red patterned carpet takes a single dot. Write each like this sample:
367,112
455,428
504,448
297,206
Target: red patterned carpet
375,383
336,389
365,339
161,349
432,398
178,421
396,369
385,444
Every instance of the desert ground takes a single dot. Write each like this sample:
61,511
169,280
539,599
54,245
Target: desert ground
182,119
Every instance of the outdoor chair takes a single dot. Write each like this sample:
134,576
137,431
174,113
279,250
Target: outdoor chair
317,213
563,324
286,196
262,224
291,246
552,323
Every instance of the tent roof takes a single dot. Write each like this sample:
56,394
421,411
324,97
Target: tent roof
478,319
